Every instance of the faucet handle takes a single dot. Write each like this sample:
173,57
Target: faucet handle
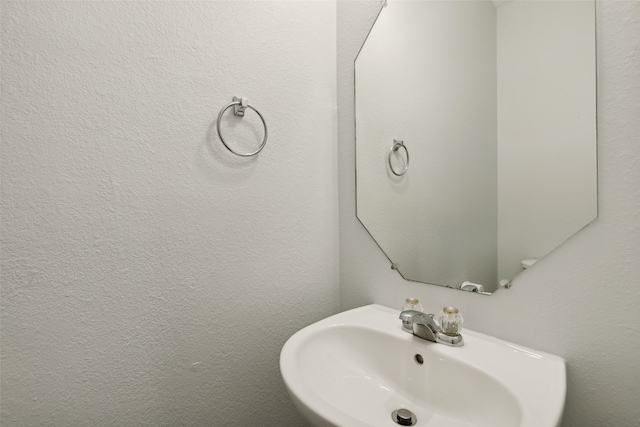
451,321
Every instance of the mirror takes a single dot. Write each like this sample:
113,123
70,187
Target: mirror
476,135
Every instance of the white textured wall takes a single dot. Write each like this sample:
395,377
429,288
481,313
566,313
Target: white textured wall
547,164
580,302
450,83
149,277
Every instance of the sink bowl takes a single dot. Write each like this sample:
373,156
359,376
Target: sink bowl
357,367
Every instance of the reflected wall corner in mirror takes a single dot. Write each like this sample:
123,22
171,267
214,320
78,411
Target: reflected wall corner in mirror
496,102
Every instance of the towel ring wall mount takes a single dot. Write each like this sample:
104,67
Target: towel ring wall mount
239,106
397,144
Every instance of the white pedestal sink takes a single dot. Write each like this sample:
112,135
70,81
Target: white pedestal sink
355,368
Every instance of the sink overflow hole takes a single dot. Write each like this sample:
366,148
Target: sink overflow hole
419,359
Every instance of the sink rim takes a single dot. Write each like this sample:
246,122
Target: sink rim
479,352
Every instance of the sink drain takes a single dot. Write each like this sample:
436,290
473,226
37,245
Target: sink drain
404,417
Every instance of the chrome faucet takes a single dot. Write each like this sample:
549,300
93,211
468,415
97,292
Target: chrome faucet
424,326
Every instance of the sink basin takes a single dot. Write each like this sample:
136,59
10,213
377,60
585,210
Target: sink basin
357,367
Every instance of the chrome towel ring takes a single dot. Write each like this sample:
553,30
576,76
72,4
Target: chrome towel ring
240,105
395,147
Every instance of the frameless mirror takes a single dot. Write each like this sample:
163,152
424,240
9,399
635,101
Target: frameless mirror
476,135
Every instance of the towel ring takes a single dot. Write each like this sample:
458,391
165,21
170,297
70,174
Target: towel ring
241,105
395,147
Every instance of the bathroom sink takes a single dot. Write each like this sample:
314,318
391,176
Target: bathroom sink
357,367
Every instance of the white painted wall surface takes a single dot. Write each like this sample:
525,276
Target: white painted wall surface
547,163
149,277
450,85
580,302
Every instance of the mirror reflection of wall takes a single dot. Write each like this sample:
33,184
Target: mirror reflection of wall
496,106
546,127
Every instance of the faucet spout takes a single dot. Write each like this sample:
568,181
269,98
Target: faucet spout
424,326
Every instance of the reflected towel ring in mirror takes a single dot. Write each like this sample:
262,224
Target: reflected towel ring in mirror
395,147
240,105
